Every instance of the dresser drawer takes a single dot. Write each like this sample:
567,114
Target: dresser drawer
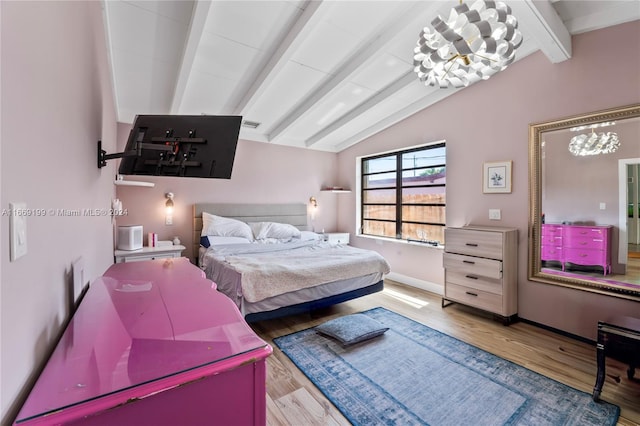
473,297
585,242
473,265
551,253
337,238
586,231
552,230
473,242
148,257
551,240
586,257
490,285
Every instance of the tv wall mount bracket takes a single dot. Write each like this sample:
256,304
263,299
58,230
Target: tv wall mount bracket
163,144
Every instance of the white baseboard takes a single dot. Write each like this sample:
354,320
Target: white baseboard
414,282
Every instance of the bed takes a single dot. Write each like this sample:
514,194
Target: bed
279,268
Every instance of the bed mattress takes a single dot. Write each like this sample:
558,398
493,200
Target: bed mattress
264,277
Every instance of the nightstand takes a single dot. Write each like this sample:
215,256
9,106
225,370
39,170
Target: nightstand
336,237
148,253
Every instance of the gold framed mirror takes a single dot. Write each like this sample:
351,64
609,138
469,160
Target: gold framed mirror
584,202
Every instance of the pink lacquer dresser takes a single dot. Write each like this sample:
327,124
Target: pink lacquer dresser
153,343
577,244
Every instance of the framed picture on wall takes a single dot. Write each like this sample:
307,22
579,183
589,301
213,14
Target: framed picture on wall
497,177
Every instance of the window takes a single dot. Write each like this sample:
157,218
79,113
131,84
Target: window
403,194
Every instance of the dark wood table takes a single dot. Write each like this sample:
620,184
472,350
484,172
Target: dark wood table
618,338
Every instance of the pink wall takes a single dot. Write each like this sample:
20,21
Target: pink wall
262,173
56,103
489,122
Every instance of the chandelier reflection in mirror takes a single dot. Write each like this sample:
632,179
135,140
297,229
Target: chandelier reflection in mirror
594,143
471,45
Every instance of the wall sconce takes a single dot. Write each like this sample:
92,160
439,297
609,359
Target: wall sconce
168,206
313,204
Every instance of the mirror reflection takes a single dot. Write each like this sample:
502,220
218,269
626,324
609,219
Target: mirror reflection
585,210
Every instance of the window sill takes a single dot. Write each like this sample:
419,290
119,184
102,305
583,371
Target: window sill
394,240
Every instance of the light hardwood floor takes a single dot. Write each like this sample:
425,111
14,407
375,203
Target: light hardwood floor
293,400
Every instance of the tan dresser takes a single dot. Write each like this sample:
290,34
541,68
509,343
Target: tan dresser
481,269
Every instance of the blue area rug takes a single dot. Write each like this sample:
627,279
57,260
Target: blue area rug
413,374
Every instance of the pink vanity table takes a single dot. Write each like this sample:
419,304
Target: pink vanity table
153,343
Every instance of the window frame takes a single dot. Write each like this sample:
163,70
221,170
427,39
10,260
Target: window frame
361,189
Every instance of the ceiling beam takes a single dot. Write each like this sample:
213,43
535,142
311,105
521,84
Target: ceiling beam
286,47
196,27
412,14
617,13
543,24
434,95
408,78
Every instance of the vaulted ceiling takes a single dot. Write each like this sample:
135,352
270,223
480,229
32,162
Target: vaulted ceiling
314,74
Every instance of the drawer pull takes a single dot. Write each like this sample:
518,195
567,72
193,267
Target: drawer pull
471,277
471,294
472,244
470,262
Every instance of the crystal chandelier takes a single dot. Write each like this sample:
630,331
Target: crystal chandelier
594,143
472,45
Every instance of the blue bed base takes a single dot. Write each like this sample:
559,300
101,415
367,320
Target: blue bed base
305,307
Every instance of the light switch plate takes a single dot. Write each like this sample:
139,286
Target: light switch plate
494,214
17,230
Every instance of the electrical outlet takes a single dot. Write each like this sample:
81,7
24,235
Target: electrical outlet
494,214
603,206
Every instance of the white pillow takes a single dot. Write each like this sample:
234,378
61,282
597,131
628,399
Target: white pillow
224,227
279,231
217,240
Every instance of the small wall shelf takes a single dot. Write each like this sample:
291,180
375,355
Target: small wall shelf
119,181
337,189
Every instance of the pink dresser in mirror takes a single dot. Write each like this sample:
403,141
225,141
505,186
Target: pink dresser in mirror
577,244
153,343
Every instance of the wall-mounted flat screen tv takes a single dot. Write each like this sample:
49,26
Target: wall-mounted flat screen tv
201,146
